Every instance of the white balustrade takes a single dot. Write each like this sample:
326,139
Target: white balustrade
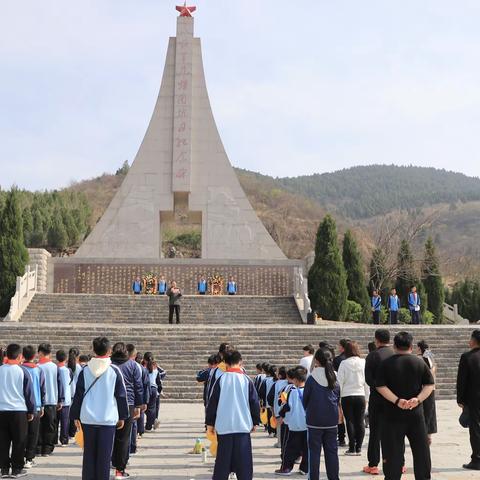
25,291
301,294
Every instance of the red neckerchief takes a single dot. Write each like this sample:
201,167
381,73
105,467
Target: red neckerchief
44,360
12,362
235,370
30,365
5,360
60,364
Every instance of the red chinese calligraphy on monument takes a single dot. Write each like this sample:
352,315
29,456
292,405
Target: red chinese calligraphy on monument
181,160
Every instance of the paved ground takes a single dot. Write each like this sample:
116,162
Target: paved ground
164,454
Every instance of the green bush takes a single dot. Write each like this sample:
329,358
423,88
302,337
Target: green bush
428,317
404,316
354,312
192,240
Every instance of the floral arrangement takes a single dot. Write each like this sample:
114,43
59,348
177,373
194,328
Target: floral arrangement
149,284
217,284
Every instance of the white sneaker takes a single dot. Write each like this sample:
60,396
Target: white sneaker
29,464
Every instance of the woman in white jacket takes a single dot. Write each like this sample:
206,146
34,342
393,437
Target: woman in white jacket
354,392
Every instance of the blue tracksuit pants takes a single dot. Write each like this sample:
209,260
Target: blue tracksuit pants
326,438
234,454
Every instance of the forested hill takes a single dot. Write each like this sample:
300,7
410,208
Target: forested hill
366,191
360,198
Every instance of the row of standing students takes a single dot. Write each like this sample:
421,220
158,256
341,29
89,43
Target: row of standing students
43,403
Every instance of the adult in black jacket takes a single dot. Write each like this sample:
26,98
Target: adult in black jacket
405,381
468,395
376,402
336,365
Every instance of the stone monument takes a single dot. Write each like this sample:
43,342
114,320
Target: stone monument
181,175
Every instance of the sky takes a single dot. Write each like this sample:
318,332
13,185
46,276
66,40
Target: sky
296,87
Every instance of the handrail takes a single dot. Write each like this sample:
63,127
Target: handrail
450,313
25,291
301,294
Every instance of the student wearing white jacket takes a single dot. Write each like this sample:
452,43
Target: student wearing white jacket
354,392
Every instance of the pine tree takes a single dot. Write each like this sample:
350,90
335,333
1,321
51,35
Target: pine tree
353,263
27,226
406,273
57,235
38,236
70,227
432,280
13,254
327,278
378,270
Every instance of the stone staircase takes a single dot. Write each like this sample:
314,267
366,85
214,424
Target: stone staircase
149,309
183,349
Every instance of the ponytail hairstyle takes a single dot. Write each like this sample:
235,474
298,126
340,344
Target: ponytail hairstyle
149,362
73,355
325,360
272,371
282,373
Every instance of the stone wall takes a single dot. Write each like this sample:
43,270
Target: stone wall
39,257
262,278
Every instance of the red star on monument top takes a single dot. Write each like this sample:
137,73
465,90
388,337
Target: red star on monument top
185,11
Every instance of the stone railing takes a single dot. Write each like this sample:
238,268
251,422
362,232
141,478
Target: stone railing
301,294
451,315
26,289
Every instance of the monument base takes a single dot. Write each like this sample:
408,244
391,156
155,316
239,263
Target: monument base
107,276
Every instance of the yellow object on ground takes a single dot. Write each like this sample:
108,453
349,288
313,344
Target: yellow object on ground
79,438
263,416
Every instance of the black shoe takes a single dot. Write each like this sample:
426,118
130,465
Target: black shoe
5,473
18,473
472,466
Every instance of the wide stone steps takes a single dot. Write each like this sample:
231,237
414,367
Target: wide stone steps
149,309
182,350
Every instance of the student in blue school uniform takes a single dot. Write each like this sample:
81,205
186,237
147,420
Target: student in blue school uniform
321,398
233,412
282,400
38,386
274,397
146,389
266,387
204,376
294,414
156,376
393,306
133,383
137,286
162,286
63,415
231,286
54,398
132,353
376,307
414,303
73,363
202,286
223,349
17,408
259,377
100,408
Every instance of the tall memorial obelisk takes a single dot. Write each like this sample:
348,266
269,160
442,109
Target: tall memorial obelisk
181,174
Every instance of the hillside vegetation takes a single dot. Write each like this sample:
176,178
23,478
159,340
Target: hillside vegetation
367,191
363,199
